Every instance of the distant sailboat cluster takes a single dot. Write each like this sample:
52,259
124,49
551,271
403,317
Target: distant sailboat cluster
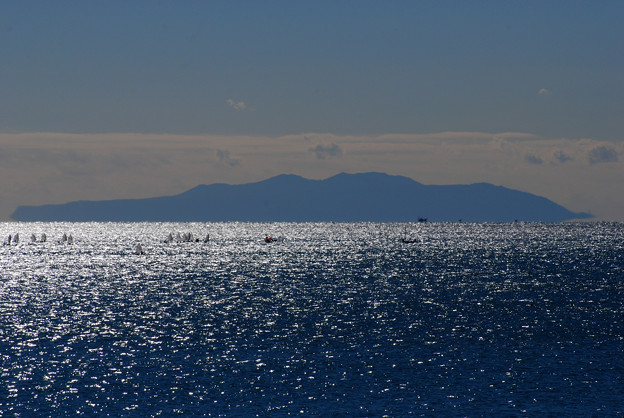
12,239
68,239
33,238
15,239
184,237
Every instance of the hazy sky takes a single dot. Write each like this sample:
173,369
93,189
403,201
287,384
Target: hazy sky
120,99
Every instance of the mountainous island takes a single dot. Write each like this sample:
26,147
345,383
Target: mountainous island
365,197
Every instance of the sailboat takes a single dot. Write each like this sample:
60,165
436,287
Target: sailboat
405,240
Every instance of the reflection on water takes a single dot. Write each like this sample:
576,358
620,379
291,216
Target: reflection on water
470,319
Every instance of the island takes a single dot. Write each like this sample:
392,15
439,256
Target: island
362,197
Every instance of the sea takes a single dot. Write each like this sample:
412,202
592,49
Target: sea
327,319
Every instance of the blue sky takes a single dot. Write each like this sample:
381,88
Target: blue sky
120,99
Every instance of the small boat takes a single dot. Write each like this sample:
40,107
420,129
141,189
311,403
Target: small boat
268,239
139,250
405,240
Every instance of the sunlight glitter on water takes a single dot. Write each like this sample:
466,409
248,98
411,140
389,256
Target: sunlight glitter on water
330,318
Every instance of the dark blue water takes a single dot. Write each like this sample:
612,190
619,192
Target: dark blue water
331,319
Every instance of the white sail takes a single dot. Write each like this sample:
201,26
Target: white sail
33,238
70,239
44,237
16,238
138,250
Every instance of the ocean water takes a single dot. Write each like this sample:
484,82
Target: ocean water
330,319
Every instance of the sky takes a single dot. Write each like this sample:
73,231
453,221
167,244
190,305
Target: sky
129,99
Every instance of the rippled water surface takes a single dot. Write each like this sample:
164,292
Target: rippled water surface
471,319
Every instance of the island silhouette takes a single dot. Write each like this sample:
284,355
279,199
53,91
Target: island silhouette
363,197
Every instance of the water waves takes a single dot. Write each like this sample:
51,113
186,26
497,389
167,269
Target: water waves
326,319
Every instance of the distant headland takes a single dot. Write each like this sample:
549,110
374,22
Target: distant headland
364,197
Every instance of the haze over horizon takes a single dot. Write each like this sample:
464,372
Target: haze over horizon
111,100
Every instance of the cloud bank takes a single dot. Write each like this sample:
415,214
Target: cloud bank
41,168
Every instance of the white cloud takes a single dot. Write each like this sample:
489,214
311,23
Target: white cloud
236,105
